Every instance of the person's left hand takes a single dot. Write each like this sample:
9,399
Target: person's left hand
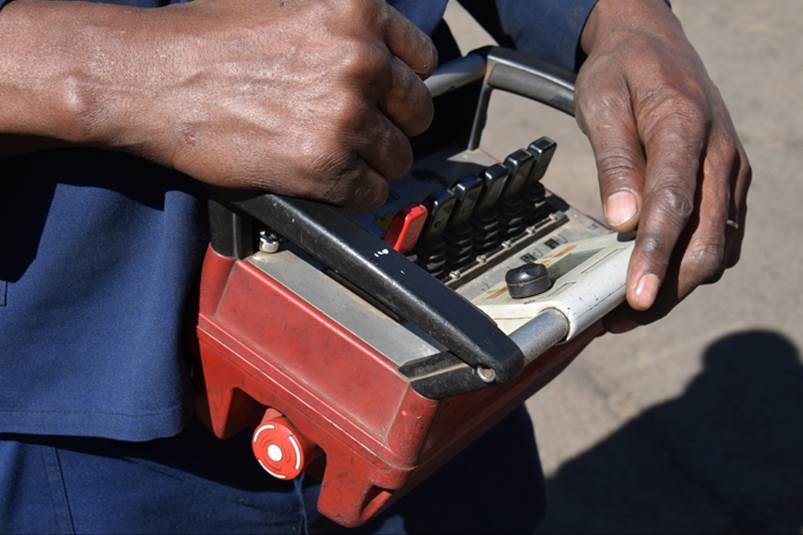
668,156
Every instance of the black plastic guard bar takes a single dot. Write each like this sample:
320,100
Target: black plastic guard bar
364,260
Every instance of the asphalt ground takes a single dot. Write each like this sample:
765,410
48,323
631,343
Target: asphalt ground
695,423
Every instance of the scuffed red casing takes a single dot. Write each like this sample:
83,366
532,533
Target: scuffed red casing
262,347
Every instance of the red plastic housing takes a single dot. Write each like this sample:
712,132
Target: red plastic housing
266,354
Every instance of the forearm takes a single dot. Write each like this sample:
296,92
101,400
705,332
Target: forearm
67,72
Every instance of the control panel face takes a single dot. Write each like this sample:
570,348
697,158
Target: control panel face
489,230
456,215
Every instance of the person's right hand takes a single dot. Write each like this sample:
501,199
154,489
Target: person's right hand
308,98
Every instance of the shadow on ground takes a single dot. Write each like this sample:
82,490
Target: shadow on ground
726,456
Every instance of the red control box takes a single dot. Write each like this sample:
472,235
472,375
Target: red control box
267,356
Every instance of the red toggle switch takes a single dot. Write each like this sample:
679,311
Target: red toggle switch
406,227
281,451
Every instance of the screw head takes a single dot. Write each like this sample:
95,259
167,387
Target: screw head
268,242
486,374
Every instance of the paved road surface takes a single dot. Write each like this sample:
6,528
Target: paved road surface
694,424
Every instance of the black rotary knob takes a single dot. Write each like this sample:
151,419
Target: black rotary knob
527,280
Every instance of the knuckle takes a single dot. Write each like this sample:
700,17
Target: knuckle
349,114
595,106
730,150
681,117
674,137
357,10
673,100
423,112
651,246
403,158
675,200
335,168
375,61
429,56
707,260
394,153
745,181
725,149
617,168
359,191
340,192
307,160
360,59
746,166
605,106
743,157
373,195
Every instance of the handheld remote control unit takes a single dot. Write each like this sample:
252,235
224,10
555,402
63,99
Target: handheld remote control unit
368,350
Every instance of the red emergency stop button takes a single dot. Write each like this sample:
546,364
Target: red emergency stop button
405,229
281,450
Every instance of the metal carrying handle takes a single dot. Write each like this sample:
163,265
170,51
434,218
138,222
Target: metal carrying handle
507,70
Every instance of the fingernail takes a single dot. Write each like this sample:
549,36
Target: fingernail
647,290
620,208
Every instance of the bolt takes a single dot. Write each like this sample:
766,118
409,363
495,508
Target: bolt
486,374
268,242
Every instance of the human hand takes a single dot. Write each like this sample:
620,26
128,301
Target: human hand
307,98
668,156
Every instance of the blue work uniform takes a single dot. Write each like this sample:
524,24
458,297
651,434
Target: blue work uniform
100,254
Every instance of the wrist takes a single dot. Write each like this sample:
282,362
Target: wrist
612,18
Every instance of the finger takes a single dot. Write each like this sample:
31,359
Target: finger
698,256
703,258
407,42
741,185
407,101
741,179
611,129
384,147
673,152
